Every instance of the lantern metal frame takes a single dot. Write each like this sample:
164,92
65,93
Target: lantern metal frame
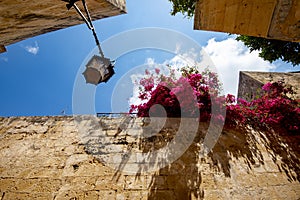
98,64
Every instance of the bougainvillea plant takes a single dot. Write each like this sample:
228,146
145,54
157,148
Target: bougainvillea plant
274,107
181,95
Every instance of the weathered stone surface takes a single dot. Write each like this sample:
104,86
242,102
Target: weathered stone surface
250,83
45,158
274,19
22,19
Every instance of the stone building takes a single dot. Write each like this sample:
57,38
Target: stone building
24,19
273,19
250,83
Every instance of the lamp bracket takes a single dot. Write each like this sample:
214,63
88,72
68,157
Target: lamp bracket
87,20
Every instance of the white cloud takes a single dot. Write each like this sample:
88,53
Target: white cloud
33,49
5,59
229,57
150,65
150,61
177,62
134,100
178,47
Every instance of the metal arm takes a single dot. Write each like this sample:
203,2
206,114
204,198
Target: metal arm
82,16
89,24
92,28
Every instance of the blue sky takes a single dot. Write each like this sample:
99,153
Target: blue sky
38,74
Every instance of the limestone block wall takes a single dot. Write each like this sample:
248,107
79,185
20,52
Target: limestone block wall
250,83
53,158
274,19
249,87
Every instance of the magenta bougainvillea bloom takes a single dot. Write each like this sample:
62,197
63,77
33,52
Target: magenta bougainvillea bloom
267,86
274,107
180,96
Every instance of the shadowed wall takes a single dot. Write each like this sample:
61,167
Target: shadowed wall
47,158
22,19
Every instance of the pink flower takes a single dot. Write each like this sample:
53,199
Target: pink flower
267,86
230,98
149,87
143,96
200,91
157,70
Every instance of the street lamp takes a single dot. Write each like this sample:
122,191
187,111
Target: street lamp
98,69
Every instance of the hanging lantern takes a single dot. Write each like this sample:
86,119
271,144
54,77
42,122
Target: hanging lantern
98,69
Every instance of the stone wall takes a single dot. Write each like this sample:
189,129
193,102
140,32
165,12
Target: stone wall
59,158
22,19
274,19
250,83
